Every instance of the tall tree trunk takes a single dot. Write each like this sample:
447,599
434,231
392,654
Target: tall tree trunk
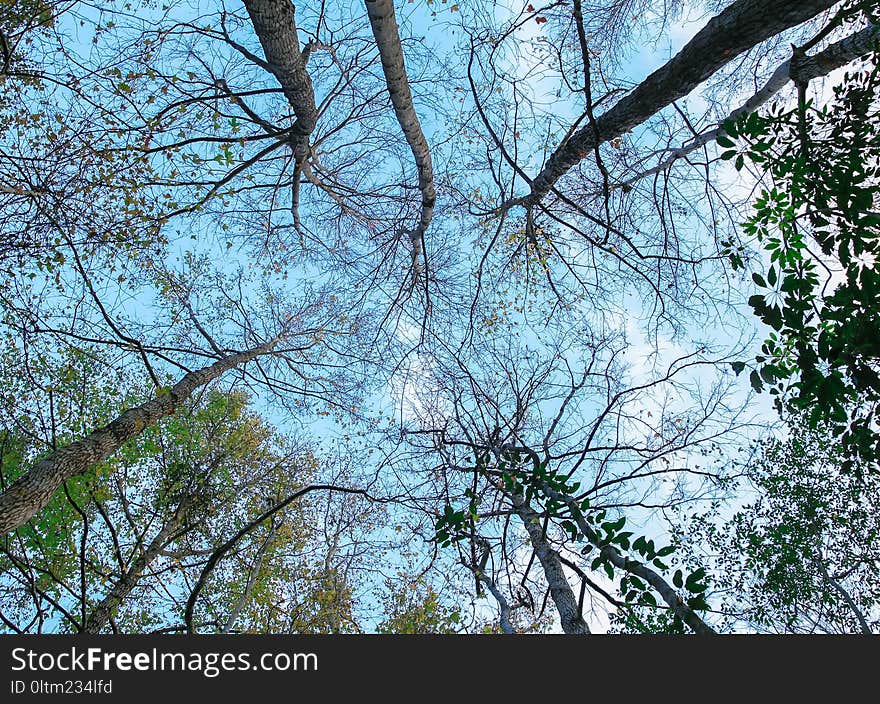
634,567
560,590
33,490
101,614
254,572
610,553
807,69
275,25
737,29
384,24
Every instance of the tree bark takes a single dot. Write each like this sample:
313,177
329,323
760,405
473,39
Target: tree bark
33,490
634,567
384,24
101,614
504,611
737,29
242,601
275,26
667,593
807,69
566,604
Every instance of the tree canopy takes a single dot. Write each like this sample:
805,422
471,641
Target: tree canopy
432,317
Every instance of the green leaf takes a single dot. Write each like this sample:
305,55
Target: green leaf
730,128
692,583
725,141
755,381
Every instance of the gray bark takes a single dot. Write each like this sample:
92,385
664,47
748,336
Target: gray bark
807,69
838,587
634,567
33,490
663,588
504,610
560,590
384,24
275,26
102,613
242,601
741,26
479,570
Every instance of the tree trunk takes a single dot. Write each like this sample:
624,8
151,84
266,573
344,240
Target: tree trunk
563,596
807,69
610,553
101,614
737,29
275,25
33,490
242,601
634,567
384,24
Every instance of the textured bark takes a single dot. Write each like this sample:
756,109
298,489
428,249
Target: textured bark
737,29
837,55
101,614
667,593
560,590
384,24
838,587
33,490
275,25
242,601
504,610
634,567
807,69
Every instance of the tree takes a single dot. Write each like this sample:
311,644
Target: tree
417,609
480,266
124,545
800,557
816,222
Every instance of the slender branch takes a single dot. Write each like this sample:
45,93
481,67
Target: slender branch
221,551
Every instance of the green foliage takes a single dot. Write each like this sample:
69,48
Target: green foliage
205,450
783,560
647,621
818,225
326,604
417,609
558,499
51,533
51,397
